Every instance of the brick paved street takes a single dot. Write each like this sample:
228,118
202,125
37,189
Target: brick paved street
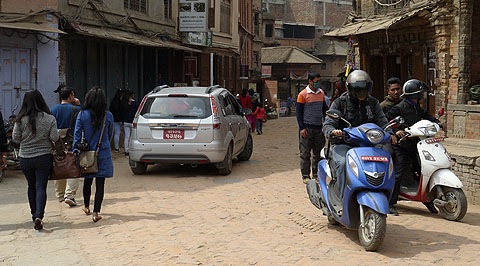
259,215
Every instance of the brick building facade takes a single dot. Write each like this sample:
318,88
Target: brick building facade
433,41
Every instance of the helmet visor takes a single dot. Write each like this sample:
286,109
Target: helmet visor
360,89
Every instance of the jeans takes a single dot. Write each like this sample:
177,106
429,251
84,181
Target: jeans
314,142
99,191
66,188
259,126
127,129
339,153
117,126
401,164
37,171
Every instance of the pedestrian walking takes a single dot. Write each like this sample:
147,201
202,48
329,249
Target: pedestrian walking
35,129
118,116
261,118
66,114
246,103
129,107
90,121
311,108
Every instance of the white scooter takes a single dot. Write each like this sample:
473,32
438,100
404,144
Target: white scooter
436,182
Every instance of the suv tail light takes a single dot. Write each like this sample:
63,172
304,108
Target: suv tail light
134,125
216,121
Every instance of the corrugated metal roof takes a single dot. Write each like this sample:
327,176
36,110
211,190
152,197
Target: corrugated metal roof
123,36
373,24
287,55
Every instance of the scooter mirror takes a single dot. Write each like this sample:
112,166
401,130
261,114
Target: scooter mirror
334,114
441,111
399,120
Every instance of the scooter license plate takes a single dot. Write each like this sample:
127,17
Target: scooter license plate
174,134
434,140
374,158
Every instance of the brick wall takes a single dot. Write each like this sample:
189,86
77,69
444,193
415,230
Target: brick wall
468,170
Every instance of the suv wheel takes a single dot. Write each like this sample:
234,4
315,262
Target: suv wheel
225,167
139,169
247,149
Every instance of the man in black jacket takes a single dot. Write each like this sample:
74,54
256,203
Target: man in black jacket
357,107
411,111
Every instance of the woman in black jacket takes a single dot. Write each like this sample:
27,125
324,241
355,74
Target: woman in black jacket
118,116
129,107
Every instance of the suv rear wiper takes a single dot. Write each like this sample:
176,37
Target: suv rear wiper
185,116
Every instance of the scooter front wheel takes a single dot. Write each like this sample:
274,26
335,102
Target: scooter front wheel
456,208
372,233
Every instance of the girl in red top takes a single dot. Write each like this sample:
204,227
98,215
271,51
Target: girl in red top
261,117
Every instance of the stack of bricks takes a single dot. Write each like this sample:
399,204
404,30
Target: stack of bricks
468,170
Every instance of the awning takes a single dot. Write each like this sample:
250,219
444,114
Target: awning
123,36
371,25
30,26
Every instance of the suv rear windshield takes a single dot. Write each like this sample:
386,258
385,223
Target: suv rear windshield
177,107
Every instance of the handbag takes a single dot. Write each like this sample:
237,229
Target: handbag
64,164
88,160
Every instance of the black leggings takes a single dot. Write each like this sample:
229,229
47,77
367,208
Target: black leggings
99,191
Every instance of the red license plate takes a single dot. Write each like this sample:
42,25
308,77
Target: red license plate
434,140
374,158
174,134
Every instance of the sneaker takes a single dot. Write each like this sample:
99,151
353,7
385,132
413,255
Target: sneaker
70,202
393,211
38,224
117,150
126,153
61,199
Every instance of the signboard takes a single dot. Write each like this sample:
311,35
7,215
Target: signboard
252,86
266,71
244,71
198,38
190,64
193,15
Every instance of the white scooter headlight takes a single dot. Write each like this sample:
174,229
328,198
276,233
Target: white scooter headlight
353,166
375,135
429,131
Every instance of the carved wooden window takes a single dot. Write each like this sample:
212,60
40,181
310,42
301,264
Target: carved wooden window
136,5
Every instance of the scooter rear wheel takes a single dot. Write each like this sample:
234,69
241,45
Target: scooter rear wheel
456,209
373,232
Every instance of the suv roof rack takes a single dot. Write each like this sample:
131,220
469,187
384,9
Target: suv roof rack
159,88
211,88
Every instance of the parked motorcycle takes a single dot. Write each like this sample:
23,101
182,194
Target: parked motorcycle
270,111
369,183
435,182
13,161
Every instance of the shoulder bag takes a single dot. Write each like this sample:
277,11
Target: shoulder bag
88,159
64,164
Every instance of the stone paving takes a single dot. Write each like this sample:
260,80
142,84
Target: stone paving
259,215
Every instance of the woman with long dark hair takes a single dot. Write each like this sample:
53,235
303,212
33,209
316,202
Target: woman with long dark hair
90,122
35,129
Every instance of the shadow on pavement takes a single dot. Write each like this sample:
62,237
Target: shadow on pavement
403,242
470,218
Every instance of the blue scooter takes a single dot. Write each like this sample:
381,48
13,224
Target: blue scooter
369,183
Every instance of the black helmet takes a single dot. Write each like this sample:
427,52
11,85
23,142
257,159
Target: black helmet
359,84
414,89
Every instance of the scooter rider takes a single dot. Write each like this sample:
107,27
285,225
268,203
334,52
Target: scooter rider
357,107
410,110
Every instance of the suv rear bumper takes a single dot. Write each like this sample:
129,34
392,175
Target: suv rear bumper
212,152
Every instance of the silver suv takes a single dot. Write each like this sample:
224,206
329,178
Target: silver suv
189,125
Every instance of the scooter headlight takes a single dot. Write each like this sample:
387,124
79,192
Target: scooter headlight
353,166
429,131
375,135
